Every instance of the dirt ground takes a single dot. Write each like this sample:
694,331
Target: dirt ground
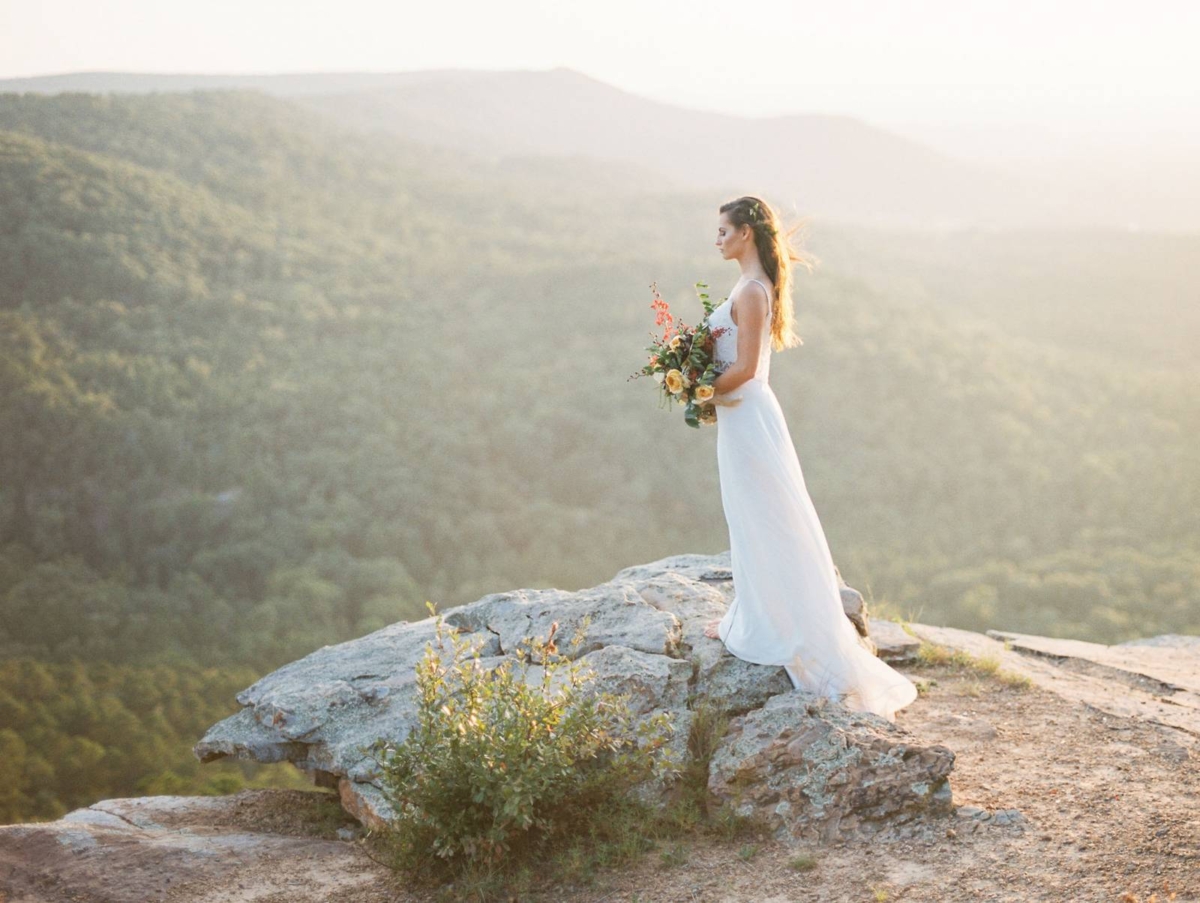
1107,808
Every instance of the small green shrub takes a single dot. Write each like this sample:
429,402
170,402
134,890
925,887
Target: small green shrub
709,724
503,761
674,855
803,862
933,654
728,824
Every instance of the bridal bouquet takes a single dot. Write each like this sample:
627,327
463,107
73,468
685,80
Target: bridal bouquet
681,361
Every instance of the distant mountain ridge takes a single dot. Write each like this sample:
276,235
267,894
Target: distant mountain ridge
834,167
831,167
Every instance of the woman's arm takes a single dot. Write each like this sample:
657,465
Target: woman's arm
752,317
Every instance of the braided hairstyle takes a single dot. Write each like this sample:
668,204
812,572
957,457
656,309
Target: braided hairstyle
777,256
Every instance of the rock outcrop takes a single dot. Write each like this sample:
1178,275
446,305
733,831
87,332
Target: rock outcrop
816,770
644,638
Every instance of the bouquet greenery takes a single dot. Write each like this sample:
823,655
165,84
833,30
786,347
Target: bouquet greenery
681,360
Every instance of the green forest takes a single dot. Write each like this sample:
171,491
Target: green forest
267,384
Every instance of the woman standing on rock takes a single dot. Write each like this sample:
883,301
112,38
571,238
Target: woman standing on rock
787,604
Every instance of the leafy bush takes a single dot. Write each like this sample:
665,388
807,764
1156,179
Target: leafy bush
505,760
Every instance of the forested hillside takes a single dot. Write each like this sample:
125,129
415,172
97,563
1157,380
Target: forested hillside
266,385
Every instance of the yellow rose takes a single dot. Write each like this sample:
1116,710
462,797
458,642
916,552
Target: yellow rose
676,342
674,381
704,393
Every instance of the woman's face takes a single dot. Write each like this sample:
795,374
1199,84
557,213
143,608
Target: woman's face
730,240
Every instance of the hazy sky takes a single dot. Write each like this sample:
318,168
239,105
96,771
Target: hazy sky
1117,72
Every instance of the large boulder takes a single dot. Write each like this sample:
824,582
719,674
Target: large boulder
814,770
644,637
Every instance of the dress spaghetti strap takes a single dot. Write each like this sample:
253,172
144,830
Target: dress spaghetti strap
768,291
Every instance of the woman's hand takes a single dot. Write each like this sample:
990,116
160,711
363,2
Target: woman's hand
726,401
727,383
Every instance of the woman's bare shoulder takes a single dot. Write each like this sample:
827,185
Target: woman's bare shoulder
759,292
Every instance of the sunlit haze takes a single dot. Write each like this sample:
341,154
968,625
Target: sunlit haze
993,80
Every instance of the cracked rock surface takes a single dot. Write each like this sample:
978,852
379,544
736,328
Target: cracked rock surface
814,769
645,637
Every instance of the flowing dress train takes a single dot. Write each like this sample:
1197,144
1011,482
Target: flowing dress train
787,605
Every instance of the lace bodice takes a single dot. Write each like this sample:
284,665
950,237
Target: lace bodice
725,329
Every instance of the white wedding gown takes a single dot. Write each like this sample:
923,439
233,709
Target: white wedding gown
787,605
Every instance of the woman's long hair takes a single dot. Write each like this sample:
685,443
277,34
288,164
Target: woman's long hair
778,257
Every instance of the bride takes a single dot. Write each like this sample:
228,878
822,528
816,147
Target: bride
787,606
